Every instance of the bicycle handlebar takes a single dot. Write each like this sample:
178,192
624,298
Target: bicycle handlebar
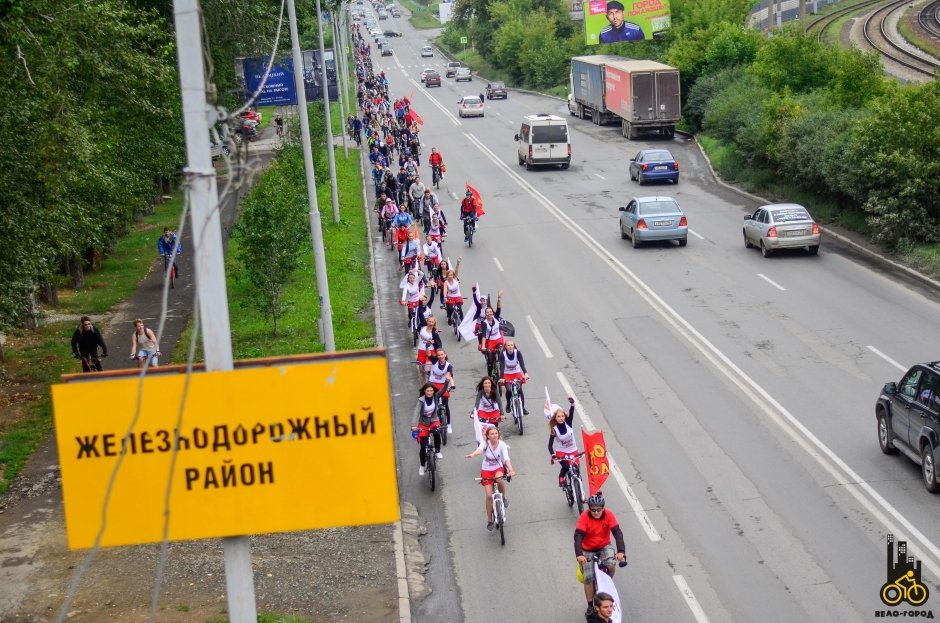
565,458
506,478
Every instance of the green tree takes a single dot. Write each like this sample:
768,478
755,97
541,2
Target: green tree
271,232
895,151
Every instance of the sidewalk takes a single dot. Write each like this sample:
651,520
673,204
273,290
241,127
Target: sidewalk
295,573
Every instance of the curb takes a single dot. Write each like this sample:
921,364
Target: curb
870,254
401,570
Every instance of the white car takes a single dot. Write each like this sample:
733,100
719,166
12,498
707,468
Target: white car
427,51
470,106
424,72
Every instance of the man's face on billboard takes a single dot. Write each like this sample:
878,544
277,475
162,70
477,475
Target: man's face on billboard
615,17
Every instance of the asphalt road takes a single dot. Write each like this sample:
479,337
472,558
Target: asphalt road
736,393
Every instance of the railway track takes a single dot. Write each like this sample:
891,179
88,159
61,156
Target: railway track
876,35
929,19
821,24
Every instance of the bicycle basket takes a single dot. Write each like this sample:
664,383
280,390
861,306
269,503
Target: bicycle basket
507,327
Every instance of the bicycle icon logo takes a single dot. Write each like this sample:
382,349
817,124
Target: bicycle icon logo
903,577
915,593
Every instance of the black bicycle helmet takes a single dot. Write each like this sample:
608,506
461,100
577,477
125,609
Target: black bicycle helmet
596,500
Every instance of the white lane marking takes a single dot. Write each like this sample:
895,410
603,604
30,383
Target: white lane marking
886,358
690,599
651,532
697,235
600,176
772,282
498,265
538,338
851,482
446,112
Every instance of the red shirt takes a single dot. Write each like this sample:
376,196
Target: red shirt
435,158
596,531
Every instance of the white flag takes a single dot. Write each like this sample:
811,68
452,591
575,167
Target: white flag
548,405
478,427
467,327
605,584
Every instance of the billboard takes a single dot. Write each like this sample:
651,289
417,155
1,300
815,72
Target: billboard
616,21
279,88
445,11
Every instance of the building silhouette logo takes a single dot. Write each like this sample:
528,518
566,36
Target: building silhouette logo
903,577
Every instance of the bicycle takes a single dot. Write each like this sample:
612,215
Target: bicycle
573,487
430,469
515,403
173,273
892,593
443,417
436,175
492,363
455,318
414,324
91,364
469,227
499,507
602,563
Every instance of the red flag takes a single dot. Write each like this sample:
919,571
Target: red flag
415,116
595,449
477,200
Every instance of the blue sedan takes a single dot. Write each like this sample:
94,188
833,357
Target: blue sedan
654,164
646,219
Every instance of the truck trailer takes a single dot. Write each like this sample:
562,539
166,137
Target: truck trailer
644,94
588,87
641,95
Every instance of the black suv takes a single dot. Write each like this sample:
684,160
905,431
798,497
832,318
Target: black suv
908,415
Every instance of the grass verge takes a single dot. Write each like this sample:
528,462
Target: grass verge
350,284
36,360
733,169
122,271
421,16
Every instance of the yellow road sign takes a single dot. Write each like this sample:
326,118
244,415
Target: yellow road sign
272,446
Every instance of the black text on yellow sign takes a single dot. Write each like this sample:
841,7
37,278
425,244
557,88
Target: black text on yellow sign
288,446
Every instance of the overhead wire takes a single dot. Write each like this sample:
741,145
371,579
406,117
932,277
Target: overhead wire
232,184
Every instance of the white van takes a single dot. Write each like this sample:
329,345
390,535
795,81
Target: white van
543,139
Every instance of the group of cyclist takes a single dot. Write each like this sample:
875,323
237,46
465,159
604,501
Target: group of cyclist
402,203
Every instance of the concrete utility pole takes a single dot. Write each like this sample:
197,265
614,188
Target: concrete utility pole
208,255
338,64
329,125
325,324
802,15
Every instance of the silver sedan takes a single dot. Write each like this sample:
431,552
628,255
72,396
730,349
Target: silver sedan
781,226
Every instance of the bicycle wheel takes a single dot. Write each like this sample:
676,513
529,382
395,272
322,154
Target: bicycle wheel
442,414
500,515
578,493
568,491
517,412
432,467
